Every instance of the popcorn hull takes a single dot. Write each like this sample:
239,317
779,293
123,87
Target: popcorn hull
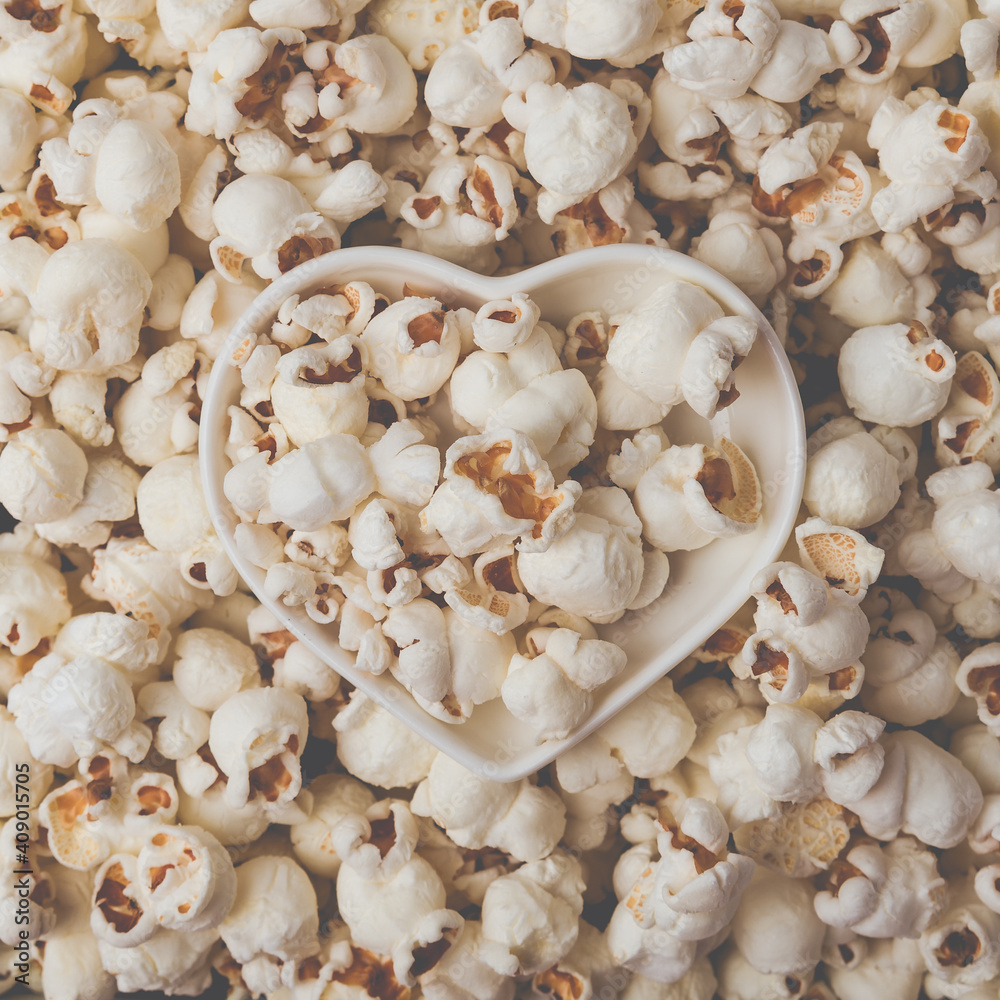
705,587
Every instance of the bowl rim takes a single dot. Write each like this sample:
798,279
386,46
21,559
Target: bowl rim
462,282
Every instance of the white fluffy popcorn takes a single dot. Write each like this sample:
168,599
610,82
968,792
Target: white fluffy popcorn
533,915
689,494
549,690
853,478
884,892
257,736
930,152
595,569
123,164
280,231
42,472
470,80
322,481
897,375
497,488
84,330
266,929
517,817
556,120
689,356
412,347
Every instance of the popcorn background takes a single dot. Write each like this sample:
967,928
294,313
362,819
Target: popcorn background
807,807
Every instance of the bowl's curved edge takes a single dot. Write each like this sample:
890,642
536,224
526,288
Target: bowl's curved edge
459,282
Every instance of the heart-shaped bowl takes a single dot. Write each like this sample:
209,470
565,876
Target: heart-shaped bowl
706,586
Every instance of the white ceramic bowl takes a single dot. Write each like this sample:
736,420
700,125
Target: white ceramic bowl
706,586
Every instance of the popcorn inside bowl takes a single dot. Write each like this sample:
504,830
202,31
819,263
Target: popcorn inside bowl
457,454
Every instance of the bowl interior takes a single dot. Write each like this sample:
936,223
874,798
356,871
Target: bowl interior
705,587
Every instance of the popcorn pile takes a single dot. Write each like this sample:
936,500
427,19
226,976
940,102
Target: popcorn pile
455,545
807,807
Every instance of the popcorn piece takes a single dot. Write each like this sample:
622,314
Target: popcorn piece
462,970
775,928
240,79
470,80
281,231
493,600
550,690
800,56
728,48
558,412
965,430
137,579
750,255
268,933
952,151
621,32
257,736
19,844
34,602
678,345
364,85
918,779
888,892
595,569
692,494
466,202
652,734
381,907
303,672
422,33
14,751
110,805
502,324
555,121
180,729
335,796
320,482
84,329
483,381
965,506
849,291
320,391
852,479
42,474
960,948
979,677
188,878
212,666
687,895
448,665
895,375
412,347
909,670
845,558
124,164
518,817
805,839
792,756
23,132
496,487
75,708
168,960
375,746
547,897
120,916
418,952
